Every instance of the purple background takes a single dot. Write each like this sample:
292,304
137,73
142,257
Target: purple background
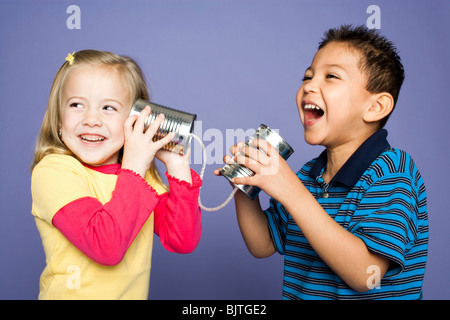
236,64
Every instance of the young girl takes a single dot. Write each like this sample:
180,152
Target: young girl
97,196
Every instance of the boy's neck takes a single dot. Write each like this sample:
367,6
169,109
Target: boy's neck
338,156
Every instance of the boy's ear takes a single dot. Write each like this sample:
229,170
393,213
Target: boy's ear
381,106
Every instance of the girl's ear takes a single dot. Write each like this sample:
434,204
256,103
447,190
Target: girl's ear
381,106
60,132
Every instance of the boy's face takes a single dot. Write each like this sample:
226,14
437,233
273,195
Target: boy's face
95,104
333,97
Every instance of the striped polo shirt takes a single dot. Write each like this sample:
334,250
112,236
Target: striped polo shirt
379,196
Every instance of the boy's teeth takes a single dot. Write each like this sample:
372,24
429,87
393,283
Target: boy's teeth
311,107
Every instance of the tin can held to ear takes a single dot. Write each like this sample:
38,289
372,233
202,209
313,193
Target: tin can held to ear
180,122
235,170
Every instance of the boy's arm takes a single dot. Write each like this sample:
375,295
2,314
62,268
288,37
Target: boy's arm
346,254
254,226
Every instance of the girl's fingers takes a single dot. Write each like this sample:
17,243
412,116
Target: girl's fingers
139,125
154,127
128,125
164,141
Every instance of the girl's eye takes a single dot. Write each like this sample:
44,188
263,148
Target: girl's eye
76,105
109,108
305,78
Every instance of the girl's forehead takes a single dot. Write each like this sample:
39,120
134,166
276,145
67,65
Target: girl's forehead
99,80
93,74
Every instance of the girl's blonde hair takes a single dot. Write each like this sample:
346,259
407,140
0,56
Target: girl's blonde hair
49,140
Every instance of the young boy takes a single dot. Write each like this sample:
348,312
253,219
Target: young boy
351,223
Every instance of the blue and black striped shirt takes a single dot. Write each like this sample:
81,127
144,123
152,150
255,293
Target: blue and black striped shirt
379,196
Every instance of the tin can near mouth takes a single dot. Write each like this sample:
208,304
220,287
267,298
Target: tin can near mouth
235,170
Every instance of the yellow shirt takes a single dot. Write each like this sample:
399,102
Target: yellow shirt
58,180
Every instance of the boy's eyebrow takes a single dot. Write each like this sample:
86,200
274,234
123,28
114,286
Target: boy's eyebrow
335,65
330,65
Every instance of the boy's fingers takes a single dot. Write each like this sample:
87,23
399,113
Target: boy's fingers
263,145
228,159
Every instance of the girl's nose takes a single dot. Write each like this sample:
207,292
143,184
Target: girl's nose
92,118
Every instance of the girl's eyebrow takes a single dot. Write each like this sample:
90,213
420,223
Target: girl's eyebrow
106,100
73,98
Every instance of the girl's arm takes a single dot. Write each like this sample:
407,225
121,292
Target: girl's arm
178,216
104,232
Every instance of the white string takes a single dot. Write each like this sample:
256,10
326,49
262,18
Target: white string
202,171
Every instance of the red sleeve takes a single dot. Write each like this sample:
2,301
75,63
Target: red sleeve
104,232
178,217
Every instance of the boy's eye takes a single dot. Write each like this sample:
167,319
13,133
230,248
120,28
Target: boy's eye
305,78
332,76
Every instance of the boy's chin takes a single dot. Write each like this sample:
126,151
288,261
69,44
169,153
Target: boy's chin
312,139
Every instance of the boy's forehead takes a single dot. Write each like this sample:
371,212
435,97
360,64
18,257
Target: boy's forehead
337,54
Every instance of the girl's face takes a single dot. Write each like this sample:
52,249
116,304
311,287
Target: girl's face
95,104
333,97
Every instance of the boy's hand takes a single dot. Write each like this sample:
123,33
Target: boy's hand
272,173
139,148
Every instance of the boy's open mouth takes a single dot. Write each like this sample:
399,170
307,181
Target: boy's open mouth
312,113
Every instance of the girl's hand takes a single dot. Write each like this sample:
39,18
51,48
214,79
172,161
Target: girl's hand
272,173
177,165
139,148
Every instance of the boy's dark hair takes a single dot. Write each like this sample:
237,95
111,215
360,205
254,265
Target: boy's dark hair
380,61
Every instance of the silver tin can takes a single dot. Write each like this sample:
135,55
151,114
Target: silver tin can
182,123
235,170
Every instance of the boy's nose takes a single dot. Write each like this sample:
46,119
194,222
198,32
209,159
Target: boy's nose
310,86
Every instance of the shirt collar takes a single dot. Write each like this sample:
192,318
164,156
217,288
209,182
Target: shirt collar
358,162
107,168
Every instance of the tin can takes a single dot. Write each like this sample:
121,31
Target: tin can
180,122
235,170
